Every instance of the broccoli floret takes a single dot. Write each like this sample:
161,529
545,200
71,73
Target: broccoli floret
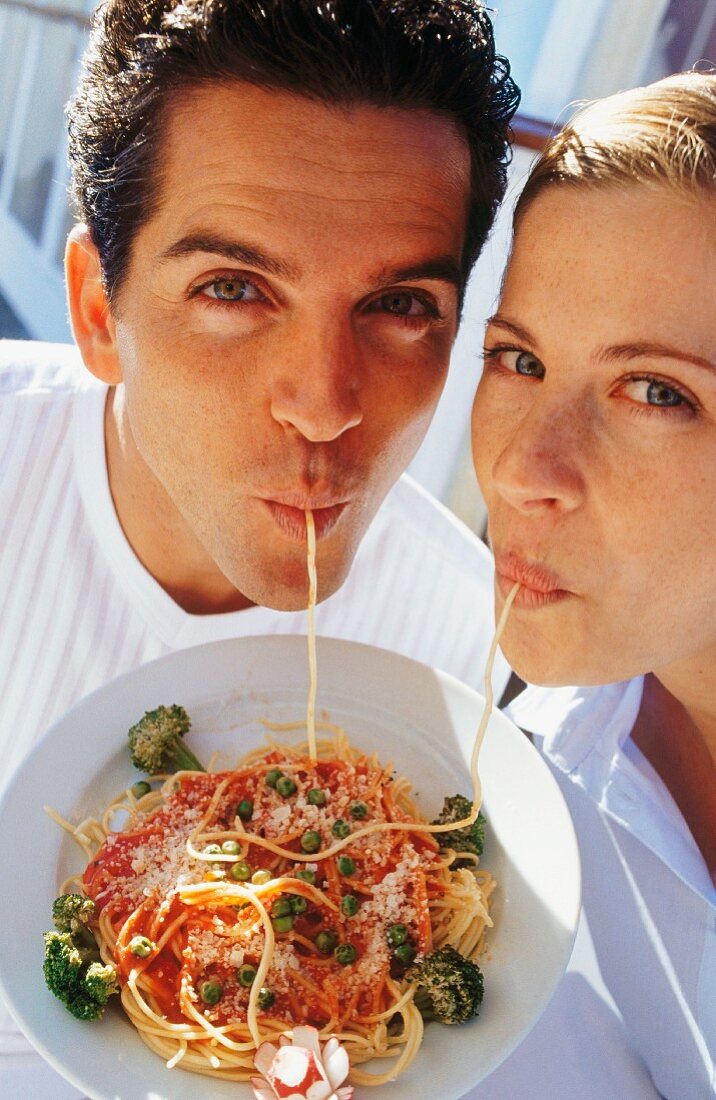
73,969
449,987
76,976
471,838
101,981
71,913
156,742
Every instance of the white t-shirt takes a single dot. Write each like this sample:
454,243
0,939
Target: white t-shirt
647,893
77,608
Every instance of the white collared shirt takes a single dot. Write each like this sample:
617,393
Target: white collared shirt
648,896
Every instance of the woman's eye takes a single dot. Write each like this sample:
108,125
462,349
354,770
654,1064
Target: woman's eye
651,391
515,361
231,290
403,304
527,364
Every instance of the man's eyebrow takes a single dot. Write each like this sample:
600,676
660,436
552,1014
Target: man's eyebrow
444,269
236,251
648,350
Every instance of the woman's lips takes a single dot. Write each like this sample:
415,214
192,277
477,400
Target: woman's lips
539,587
292,520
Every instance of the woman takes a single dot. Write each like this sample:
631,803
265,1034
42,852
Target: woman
594,437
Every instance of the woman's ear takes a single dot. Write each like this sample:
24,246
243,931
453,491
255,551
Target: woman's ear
92,323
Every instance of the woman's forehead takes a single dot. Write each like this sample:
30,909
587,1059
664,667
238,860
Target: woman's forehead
601,255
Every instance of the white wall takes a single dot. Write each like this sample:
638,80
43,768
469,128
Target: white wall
437,461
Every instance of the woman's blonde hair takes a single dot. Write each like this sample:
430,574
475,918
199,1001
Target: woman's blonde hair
660,135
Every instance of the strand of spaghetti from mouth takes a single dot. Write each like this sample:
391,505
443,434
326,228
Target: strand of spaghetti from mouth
201,836
279,850
312,666
482,728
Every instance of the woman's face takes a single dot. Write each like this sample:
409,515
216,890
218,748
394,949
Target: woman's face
594,434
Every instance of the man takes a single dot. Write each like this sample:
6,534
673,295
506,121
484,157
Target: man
275,239
280,205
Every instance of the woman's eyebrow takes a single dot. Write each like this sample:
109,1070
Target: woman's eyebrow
648,350
517,331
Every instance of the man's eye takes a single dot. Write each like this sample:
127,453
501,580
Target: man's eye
231,290
403,304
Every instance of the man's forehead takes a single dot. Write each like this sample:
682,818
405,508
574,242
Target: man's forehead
238,143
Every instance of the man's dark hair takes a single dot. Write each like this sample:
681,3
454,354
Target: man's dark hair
432,54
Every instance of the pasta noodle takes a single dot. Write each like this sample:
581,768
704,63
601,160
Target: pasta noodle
312,670
238,904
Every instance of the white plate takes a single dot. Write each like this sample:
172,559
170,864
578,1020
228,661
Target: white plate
422,720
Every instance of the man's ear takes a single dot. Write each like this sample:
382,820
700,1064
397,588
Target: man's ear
92,323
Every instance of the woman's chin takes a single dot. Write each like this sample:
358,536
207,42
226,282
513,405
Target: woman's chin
552,664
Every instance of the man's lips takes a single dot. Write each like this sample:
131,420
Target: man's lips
539,586
290,516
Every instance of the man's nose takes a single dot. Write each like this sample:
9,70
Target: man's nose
317,383
540,467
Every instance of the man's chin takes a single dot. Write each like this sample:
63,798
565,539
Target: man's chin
289,589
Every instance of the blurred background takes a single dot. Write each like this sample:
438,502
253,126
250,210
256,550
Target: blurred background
562,52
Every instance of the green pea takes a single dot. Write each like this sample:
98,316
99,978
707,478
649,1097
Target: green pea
261,877
241,871
340,829
285,786
349,905
405,953
141,788
316,796
325,942
281,907
298,904
231,847
359,810
282,924
141,946
246,975
211,992
212,850
345,954
245,809
311,841
266,997
397,934
273,776
307,876
346,866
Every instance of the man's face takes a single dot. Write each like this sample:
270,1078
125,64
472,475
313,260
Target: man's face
285,322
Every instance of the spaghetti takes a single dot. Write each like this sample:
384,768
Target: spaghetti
312,669
210,913
238,904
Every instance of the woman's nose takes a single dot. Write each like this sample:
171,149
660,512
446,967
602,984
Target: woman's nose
540,466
